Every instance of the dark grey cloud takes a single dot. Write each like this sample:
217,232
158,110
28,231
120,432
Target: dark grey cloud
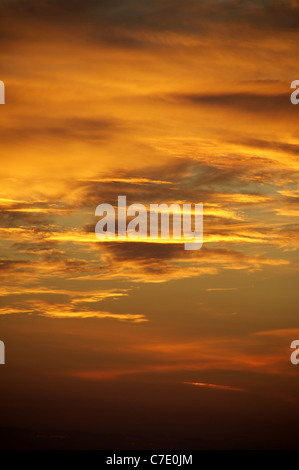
14,266
185,179
292,149
24,219
116,21
95,130
244,102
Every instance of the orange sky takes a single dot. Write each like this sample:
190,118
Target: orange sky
169,101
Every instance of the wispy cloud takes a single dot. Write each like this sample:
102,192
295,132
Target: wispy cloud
216,387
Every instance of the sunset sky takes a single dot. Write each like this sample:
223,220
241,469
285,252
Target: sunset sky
146,345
